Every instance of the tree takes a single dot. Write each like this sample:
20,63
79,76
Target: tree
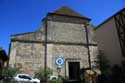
3,58
103,63
116,74
9,72
42,72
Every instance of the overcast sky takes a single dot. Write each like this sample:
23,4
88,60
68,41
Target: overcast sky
20,16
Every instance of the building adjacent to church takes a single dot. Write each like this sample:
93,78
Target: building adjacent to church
62,33
110,36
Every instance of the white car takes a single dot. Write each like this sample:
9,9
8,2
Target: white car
53,77
25,78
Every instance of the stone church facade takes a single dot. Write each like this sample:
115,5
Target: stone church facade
62,34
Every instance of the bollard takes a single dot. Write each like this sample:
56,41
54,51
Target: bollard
90,76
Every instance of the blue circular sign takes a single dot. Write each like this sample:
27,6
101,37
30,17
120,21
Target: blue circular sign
59,61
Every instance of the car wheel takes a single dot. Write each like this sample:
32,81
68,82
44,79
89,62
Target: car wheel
34,82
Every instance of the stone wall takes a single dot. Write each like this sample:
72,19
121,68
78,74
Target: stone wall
66,39
29,57
69,32
71,53
67,18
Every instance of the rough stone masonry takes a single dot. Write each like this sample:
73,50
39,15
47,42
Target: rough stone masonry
66,37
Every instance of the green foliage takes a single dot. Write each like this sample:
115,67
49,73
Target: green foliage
42,72
103,63
82,74
10,71
59,80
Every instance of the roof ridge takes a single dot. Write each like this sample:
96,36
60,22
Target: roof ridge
107,19
64,10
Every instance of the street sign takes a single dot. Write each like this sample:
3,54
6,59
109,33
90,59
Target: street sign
59,61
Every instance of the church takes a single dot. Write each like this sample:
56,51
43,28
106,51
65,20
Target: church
63,33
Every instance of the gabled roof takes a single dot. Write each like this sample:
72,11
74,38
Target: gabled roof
109,18
39,35
65,11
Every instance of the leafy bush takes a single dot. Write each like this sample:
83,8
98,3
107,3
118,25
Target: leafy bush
9,72
103,63
42,72
59,80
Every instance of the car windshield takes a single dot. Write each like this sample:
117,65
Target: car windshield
25,77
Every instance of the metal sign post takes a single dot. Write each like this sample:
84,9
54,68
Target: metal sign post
59,63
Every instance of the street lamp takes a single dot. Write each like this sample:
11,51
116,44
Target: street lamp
87,44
